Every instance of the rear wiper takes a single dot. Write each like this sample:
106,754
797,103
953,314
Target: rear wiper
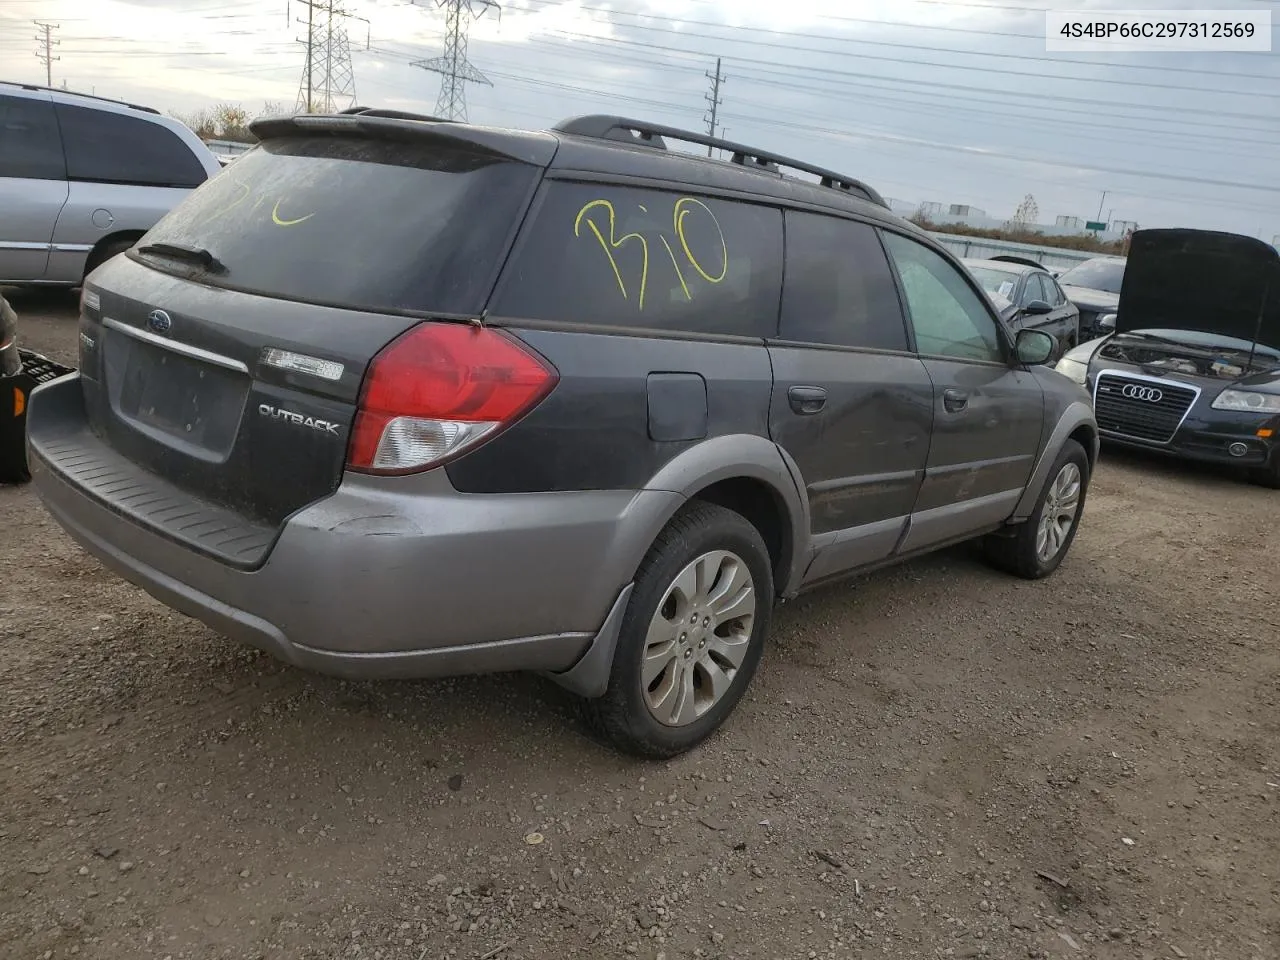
176,251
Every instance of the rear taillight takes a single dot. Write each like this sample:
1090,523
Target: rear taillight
439,389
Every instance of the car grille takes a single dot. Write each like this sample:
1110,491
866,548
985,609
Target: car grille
1143,409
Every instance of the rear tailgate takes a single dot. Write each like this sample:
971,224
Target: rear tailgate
233,375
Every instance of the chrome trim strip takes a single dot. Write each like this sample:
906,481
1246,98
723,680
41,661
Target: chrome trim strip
196,353
71,247
23,245
1196,391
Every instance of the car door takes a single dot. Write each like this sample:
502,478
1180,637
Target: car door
125,173
988,412
852,405
33,184
1066,313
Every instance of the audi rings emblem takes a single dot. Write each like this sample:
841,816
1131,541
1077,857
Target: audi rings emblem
1136,392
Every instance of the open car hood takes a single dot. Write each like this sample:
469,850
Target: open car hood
1221,283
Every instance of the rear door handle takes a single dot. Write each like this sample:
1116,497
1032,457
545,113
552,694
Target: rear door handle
807,400
954,400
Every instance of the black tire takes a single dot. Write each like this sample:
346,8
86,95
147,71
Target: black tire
622,716
1014,551
104,253
1268,476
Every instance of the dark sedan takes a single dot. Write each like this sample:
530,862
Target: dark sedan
1094,287
1026,295
1192,368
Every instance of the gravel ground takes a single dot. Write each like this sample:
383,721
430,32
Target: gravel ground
936,761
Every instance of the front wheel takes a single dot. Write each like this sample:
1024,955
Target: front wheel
692,635
1036,548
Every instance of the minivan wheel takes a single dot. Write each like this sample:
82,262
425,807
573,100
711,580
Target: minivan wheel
1035,549
108,250
692,635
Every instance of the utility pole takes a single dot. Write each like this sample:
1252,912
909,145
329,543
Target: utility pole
1100,203
454,67
328,77
713,98
45,55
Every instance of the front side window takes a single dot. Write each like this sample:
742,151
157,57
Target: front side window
839,289
947,316
30,148
1035,289
106,147
612,256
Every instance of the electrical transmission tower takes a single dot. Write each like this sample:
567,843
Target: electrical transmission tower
44,53
454,67
328,82
713,99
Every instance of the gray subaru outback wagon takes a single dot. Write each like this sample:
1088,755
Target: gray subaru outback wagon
397,397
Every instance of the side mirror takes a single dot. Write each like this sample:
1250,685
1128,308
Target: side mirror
1107,321
1034,347
1038,307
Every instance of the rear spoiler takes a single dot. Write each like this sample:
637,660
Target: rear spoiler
537,149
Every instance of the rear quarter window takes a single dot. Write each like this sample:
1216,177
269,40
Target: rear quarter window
106,147
601,255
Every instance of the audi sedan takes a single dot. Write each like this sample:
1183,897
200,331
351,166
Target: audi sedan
1192,368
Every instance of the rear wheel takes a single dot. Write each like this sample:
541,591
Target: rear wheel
692,636
1035,549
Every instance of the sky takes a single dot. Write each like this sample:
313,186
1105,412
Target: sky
926,100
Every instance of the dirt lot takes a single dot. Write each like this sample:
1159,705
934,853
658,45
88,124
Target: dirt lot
937,761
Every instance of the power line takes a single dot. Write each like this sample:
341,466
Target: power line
45,55
609,14
454,68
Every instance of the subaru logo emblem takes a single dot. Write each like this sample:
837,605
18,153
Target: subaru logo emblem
159,321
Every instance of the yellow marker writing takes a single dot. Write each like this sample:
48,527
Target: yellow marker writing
615,243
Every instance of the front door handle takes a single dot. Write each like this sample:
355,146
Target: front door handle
953,400
807,401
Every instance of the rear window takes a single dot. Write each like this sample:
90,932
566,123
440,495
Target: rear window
604,255
354,223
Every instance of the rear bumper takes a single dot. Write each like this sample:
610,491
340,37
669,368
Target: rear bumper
388,577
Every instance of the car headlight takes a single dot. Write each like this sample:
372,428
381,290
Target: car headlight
1073,369
1247,401
1075,362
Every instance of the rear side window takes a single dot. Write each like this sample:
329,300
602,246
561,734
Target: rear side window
355,223
104,147
30,148
839,289
600,255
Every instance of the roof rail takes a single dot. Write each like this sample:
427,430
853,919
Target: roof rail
605,127
77,93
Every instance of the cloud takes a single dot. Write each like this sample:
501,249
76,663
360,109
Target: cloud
927,100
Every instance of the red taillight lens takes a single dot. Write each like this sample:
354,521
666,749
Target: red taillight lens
439,389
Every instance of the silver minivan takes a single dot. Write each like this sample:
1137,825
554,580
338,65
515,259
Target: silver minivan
82,178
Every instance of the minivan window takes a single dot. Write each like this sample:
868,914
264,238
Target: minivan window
106,147
350,222
947,316
603,255
30,148
839,289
